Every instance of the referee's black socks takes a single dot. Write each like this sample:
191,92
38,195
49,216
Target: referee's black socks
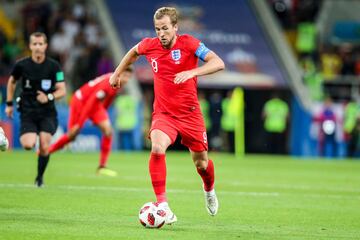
42,163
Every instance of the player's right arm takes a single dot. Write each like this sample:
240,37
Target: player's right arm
130,57
11,84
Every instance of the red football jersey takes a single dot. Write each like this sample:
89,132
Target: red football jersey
178,100
97,90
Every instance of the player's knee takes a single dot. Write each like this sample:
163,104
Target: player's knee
201,167
73,132
44,147
44,151
108,132
28,145
72,135
201,164
157,148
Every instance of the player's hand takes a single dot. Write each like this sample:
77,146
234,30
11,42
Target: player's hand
41,97
114,81
9,111
183,76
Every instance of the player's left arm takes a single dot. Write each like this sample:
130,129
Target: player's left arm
130,57
213,63
60,90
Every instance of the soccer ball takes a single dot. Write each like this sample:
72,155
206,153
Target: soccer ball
4,143
151,215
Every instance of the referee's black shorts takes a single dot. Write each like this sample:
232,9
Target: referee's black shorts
36,124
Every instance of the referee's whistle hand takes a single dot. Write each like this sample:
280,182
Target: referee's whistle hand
41,97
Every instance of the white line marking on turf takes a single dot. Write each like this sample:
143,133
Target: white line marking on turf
129,189
267,185
296,187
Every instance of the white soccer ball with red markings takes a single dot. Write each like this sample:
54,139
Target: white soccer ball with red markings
151,215
4,143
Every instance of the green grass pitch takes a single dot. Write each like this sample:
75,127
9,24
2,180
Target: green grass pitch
261,197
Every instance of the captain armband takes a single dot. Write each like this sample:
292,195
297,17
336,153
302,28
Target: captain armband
201,51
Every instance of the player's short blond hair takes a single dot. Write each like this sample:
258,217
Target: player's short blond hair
167,11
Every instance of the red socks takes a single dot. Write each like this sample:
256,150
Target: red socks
105,149
157,168
60,143
208,176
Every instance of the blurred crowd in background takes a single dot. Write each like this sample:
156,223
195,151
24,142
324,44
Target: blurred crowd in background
77,40
331,71
75,37
329,58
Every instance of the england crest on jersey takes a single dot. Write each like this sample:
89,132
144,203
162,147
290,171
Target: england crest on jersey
176,54
45,84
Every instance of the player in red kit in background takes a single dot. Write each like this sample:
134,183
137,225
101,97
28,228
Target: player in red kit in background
91,101
174,60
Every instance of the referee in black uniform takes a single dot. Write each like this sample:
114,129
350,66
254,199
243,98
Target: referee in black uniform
41,83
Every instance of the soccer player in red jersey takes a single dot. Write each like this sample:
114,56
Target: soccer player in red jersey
174,60
91,101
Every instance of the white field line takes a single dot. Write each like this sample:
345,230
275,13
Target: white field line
298,187
267,185
129,189
185,191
